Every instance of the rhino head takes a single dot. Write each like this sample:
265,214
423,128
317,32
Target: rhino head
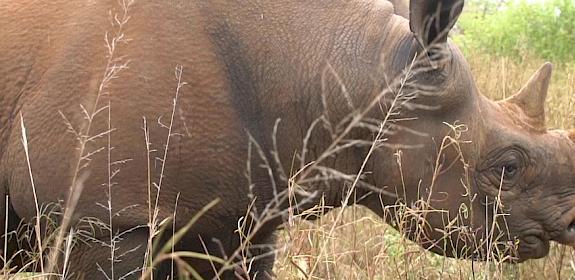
496,182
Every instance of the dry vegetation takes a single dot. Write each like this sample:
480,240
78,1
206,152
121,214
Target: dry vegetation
364,247
343,244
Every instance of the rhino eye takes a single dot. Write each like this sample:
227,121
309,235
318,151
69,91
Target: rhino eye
509,165
504,168
508,170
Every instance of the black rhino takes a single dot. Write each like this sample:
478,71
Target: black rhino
278,93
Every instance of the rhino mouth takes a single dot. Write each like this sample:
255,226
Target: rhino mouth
536,244
567,237
529,246
571,228
533,247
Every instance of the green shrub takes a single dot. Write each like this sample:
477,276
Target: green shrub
518,28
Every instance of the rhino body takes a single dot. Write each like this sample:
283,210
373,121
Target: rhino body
257,76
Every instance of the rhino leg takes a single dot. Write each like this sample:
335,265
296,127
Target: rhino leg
86,258
9,230
262,249
263,268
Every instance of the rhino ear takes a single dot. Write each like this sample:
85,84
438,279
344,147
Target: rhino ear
531,97
431,20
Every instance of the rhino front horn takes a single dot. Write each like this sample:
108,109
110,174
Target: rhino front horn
531,98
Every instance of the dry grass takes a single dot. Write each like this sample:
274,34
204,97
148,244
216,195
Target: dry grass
355,244
344,244
501,77
364,247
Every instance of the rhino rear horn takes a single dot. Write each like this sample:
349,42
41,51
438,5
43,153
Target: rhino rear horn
431,20
531,97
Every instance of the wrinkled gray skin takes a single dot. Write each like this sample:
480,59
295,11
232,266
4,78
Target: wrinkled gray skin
247,65
401,7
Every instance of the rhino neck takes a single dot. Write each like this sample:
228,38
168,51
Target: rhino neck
396,50
316,68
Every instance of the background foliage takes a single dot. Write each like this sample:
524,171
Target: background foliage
520,28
